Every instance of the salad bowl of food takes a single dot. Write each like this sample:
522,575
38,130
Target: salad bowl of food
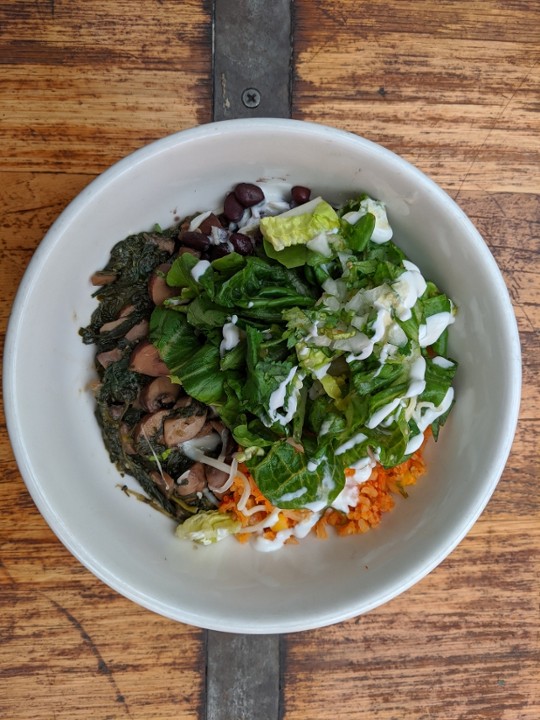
281,378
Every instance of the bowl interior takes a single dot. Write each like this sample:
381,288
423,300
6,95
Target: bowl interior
48,373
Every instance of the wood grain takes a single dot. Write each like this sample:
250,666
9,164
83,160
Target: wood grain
451,86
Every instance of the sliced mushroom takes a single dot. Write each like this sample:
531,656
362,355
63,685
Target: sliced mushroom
145,359
138,331
150,427
158,289
192,481
112,325
183,402
160,393
177,430
206,430
103,278
109,357
216,479
163,243
116,411
126,440
164,482
126,310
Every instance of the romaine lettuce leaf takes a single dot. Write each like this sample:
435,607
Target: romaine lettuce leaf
207,528
299,226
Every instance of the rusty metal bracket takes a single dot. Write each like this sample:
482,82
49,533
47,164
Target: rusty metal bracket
252,58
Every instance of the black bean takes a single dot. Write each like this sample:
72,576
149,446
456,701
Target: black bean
195,240
190,251
248,194
241,243
232,208
300,194
208,223
217,251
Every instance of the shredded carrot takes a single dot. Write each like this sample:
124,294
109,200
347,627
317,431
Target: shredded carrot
375,497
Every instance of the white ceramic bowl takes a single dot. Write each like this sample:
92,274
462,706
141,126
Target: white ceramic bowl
131,547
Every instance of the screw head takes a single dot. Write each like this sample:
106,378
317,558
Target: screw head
251,97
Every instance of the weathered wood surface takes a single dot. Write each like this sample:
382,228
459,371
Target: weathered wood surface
451,86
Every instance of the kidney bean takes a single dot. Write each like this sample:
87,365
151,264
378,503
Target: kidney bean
232,208
241,243
195,240
248,194
300,194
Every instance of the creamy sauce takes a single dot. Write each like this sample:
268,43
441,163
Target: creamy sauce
382,413
320,245
231,336
382,231
193,447
409,287
417,378
289,497
433,328
348,497
442,362
355,440
299,531
198,219
277,398
426,413
198,270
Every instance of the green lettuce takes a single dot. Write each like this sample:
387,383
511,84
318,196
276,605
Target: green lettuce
207,528
300,225
290,326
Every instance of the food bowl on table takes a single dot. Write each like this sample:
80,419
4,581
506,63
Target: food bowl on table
229,586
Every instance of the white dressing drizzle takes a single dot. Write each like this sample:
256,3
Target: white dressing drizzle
417,378
382,413
289,497
198,219
433,328
355,440
348,497
231,336
277,398
299,531
198,270
442,362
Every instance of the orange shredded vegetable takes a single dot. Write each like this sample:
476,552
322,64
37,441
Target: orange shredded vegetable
375,497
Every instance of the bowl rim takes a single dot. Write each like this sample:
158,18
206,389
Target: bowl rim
54,235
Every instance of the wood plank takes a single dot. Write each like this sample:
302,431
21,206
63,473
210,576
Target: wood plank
455,96
463,643
79,650
82,87
451,86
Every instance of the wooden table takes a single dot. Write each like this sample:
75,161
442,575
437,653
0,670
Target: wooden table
454,88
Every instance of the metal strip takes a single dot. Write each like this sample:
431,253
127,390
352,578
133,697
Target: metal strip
252,61
243,677
252,58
